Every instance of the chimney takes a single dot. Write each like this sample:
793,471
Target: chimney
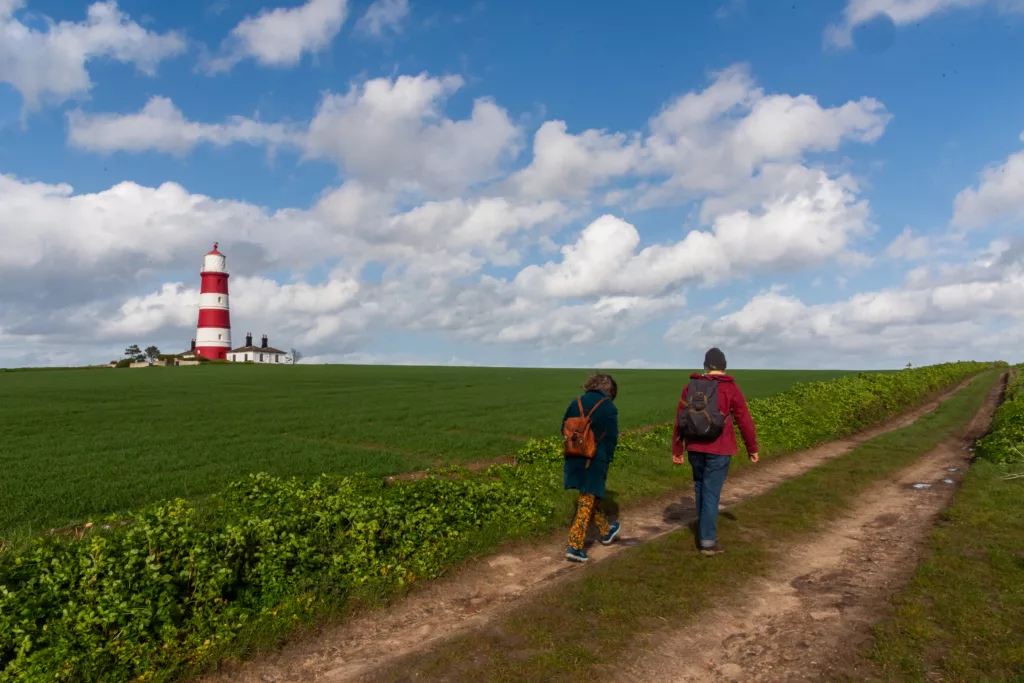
264,344
193,344
248,338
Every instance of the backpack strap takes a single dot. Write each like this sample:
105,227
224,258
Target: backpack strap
726,415
690,388
592,409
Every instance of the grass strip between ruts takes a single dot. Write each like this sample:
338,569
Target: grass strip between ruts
579,630
962,615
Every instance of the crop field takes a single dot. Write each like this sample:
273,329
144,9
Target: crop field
172,586
75,443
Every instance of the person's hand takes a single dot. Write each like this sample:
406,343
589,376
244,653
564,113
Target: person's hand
753,457
679,459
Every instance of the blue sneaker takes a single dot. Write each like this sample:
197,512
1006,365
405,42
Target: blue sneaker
574,555
613,533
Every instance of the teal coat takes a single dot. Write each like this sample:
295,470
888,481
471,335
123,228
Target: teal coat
604,421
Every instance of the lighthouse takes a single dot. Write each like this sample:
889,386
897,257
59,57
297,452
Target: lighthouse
213,338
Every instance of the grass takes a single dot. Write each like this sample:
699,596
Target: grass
79,443
960,619
579,630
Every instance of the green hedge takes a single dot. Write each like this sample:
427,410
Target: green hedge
165,589
1004,444
809,414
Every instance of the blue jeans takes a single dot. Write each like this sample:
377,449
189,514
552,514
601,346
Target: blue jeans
709,473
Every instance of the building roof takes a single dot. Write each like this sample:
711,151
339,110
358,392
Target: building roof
257,349
214,252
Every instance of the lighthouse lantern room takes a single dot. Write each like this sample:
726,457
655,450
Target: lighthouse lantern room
213,337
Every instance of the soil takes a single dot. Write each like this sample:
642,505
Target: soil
811,619
489,588
475,466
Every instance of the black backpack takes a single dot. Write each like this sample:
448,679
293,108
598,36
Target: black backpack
701,419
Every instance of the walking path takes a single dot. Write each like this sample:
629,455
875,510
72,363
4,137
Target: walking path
811,618
489,588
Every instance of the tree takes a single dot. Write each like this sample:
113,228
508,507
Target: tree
296,355
133,351
151,353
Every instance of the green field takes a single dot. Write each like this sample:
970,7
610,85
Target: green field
75,443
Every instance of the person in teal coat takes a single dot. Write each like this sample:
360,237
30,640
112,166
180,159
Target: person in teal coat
598,402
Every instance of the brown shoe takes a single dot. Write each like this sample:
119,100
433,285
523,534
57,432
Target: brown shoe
712,550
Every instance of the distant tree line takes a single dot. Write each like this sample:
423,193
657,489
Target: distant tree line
138,355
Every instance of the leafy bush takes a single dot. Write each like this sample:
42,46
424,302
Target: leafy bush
166,588
169,584
124,363
812,413
540,451
1004,444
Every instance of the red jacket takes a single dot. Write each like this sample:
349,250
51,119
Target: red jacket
732,404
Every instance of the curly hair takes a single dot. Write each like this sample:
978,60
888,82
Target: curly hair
602,382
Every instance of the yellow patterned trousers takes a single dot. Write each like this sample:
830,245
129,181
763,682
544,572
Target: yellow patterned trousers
587,510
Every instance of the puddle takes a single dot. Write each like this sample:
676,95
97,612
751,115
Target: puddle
922,486
953,469
947,481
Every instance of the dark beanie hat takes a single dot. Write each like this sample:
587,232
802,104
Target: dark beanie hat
714,359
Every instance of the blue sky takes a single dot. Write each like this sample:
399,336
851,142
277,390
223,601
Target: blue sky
326,197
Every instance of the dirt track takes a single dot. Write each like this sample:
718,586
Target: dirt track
489,588
810,618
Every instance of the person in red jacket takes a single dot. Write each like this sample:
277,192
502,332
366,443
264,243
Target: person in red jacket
710,460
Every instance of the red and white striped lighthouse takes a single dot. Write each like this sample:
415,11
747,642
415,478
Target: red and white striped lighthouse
213,338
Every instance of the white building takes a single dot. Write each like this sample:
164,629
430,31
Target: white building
264,353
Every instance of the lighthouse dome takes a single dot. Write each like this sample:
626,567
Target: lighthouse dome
214,261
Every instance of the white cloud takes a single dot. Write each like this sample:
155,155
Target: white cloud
49,229
924,320
125,237
731,140
383,15
715,140
161,126
485,224
789,233
389,134
392,133
909,248
280,37
567,165
505,315
430,212
718,140
307,314
999,195
49,67
903,12
172,305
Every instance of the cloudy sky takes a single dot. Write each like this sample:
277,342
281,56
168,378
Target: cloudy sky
836,183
